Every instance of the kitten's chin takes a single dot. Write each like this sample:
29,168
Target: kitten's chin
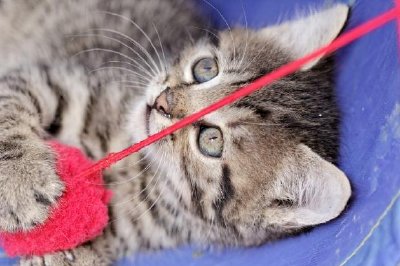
138,122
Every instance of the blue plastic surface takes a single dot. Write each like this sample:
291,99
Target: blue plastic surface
369,95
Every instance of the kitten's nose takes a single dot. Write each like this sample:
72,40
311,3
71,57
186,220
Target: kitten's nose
161,104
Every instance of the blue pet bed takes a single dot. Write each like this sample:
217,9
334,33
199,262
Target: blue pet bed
369,94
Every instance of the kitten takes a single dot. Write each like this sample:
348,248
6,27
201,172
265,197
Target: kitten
101,75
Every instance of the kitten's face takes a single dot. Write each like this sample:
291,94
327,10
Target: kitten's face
246,166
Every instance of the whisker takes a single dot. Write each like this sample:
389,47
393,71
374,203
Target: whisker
141,30
133,83
130,179
190,36
261,51
104,50
226,23
133,87
137,74
117,68
143,190
112,183
115,183
120,42
162,48
137,44
144,80
207,31
137,205
127,63
148,194
152,205
247,36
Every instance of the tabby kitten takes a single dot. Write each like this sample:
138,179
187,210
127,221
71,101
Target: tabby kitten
101,75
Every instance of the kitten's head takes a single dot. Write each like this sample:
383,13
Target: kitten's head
261,167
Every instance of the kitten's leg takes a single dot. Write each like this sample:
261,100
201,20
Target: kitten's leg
132,227
29,185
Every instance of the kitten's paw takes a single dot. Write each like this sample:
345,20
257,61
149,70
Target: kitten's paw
29,187
81,256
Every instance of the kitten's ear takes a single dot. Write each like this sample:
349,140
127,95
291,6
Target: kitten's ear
302,36
318,190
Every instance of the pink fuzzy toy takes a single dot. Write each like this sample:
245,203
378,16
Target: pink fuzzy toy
80,215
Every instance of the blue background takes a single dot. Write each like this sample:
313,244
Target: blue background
369,94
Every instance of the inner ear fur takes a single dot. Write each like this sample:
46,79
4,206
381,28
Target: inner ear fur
318,189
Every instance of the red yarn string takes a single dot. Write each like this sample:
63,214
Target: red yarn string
281,72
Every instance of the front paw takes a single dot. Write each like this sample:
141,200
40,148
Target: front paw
81,256
29,186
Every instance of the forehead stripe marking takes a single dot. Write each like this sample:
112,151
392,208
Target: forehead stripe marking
196,192
227,192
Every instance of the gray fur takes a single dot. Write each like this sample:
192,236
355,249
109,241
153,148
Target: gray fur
70,71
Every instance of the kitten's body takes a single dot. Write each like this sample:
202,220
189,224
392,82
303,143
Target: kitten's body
163,197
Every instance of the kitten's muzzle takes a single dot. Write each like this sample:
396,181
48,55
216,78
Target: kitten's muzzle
163,103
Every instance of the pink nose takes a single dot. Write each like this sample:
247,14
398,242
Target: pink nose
161,104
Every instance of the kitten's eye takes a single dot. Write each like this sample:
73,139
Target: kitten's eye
210,141
205,69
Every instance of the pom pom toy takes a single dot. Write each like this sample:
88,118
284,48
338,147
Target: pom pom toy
80,215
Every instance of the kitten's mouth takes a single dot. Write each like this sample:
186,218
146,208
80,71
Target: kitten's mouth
148,113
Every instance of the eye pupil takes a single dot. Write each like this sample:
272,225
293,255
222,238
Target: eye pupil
210,141
205,69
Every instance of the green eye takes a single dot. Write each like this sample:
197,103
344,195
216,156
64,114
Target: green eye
210,141
205,69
